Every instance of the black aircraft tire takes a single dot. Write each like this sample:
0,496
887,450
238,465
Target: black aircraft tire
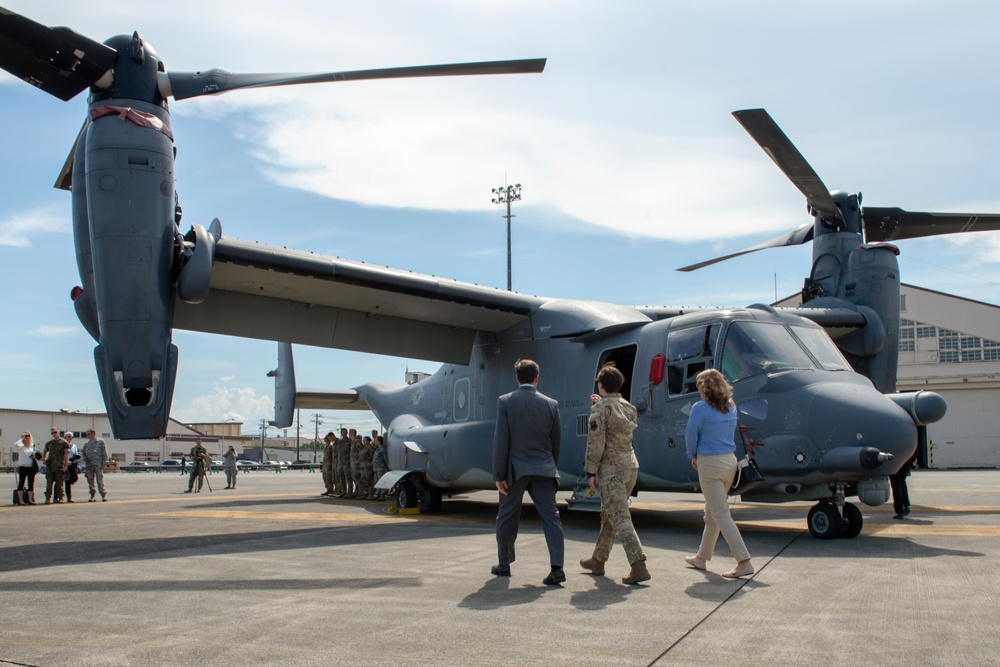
429,500
824,521
853,521
406,495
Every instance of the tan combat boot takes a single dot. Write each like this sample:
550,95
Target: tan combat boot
637,573
595,566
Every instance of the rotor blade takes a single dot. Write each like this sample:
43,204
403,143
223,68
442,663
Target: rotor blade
57,60
802,234
64,181
192,84
759,124
890,224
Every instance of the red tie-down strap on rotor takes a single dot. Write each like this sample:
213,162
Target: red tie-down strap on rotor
140,118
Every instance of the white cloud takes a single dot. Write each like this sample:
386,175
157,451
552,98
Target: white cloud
18,230
47,331
240,404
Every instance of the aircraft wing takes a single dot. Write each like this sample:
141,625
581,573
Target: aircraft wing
329,399
272,293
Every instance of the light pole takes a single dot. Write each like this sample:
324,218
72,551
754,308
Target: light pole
505,195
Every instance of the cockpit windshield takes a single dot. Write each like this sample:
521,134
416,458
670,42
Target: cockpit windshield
753,348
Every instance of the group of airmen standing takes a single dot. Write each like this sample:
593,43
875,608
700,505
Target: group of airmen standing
353,464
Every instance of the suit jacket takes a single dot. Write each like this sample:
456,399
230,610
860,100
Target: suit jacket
527,436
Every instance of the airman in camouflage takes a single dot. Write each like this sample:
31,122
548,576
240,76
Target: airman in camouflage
343,461
56,462
356,454
229,459
367,470
611,465
199,466
380,465
329,451
95,455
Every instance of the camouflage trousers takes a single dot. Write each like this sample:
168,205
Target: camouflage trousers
616,518
95,480
328,476
367,480
347,484
54,476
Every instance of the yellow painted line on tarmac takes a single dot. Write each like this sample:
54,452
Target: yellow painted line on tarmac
927,489
903,529
356,517
286,516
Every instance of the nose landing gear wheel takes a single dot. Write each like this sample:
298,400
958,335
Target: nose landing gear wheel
853,521
824,521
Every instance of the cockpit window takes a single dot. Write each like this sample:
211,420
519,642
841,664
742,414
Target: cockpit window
822,348
753,348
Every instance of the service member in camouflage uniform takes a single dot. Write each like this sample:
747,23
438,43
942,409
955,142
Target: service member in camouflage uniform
367,470
229,464
95,455
612,466
56,462
343,462
199,465
356,479
329,442
380,465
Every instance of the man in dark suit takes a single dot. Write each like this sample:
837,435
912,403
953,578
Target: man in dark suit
525,452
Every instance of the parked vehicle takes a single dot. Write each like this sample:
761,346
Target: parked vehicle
138,466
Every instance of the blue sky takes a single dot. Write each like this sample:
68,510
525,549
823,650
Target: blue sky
625,147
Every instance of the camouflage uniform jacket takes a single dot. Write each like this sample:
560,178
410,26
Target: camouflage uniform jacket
342,457
330,454
609,437
199,457
95,453
56,452
380,463
356,448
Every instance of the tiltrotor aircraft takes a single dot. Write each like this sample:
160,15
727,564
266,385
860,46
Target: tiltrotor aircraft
824,419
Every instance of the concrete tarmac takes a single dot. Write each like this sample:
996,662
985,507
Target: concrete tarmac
273,574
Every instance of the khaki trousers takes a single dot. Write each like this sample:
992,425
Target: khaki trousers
715,475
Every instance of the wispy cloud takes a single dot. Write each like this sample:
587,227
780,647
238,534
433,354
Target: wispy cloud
46,331
19,229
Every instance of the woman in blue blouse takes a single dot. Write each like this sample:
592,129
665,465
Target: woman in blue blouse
711,447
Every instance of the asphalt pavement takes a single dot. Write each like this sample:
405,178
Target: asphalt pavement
273,574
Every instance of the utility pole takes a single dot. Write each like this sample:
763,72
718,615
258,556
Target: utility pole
505,195
263,434
317,420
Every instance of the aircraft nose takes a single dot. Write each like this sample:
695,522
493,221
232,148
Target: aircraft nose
865,431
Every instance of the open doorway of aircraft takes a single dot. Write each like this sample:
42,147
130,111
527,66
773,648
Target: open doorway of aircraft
815,386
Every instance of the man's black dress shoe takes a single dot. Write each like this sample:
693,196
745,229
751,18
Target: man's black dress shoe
556,576
503,571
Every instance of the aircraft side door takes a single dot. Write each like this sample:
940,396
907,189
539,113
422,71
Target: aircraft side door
689,351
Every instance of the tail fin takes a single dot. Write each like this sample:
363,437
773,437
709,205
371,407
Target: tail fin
284,387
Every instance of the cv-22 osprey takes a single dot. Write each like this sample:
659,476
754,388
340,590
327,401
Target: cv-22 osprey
824,419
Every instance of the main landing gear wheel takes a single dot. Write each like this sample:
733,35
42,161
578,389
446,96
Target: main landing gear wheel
429,499
824,521
853,521
406,495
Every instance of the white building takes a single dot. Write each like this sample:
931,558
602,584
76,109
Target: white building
951,345
178,441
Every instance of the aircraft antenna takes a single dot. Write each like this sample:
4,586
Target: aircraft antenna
505,195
